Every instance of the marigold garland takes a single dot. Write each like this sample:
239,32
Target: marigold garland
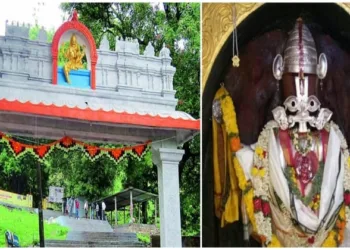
316,186
67,143
230,123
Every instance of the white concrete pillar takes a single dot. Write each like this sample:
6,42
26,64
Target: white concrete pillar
167,161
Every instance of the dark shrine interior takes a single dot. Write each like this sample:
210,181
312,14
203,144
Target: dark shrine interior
261,36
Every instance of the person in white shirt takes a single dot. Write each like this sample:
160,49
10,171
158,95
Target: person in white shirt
86,208
103,210
97,211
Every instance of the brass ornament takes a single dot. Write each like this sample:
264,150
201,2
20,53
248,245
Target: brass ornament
235,61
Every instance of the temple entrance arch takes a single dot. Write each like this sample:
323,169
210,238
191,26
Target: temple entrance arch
255,23
131,100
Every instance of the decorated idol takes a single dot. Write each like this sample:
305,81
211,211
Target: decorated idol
296,178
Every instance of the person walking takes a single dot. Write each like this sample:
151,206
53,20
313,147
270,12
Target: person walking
66,209
70,206
77,205
103,210
86,208
97,210
92,211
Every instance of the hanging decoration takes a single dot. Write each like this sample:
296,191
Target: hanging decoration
66,144
235,57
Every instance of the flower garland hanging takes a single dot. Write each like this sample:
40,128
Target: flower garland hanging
262,210
296,142
260,179
229,119
67,143
312,199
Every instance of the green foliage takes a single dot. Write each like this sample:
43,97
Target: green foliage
34,33
25,225
146,238
80,176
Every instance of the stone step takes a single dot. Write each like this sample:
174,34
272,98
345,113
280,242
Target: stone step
95,239
89,236
69,244
110,243
128,234
85,246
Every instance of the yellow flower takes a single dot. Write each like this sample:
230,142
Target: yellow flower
262,172
229,114
274,242
342,213
255,171
248,200
260,152
330,241
240,174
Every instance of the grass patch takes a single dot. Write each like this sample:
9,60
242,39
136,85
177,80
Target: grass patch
26,226
144,238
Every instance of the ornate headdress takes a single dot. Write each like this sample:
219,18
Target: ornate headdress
73,39
300,57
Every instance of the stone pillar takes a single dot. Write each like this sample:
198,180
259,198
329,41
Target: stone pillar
167,160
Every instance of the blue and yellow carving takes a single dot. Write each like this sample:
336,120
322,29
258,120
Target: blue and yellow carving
72,72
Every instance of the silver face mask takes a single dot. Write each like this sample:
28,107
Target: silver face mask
302,105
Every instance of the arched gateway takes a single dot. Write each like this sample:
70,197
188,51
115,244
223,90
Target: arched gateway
97,95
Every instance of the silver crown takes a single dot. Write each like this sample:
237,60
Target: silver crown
300,55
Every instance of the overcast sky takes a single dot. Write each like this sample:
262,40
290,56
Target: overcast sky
49,15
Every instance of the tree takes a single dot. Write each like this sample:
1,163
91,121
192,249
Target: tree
177,25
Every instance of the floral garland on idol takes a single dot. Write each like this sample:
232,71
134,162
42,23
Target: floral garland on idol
67,143
229,118
262,210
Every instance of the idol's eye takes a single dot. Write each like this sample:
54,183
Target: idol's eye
314,103
291,103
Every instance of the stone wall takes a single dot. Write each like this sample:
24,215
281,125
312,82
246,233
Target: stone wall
187,241
123,76
126,70
138,228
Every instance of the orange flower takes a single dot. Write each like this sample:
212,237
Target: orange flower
340,224
340,236
235,144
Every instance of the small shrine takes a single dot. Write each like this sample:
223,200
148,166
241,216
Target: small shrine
95,95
